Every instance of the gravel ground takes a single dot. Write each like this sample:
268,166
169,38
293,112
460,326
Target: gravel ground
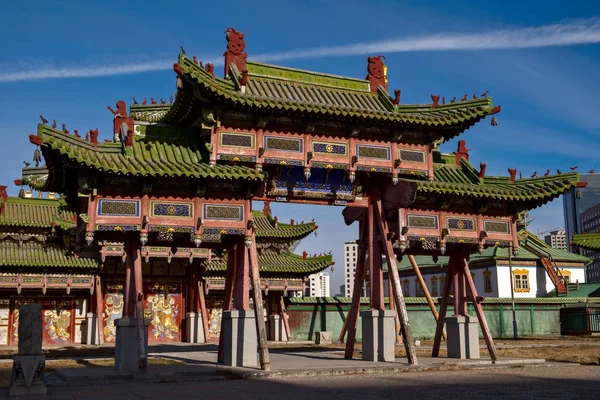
560,381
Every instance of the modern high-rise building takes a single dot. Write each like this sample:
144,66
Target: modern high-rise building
556,239
350,255
319,285
590,223
575,202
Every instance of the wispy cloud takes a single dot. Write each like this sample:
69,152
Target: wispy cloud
568,33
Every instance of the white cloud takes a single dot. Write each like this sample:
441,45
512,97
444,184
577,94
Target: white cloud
568,33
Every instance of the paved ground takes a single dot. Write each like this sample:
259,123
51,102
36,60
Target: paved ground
561,381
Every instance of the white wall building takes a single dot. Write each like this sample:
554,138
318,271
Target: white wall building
350,257
556,239
319,285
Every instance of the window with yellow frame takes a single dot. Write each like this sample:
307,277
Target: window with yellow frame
487,281
521,280
566,276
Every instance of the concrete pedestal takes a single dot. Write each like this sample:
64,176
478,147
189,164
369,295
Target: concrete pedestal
126,344
378,335
194,328
27,376
277,331
240,341
472,337
455,330
92,333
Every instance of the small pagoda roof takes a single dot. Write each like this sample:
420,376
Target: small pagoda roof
529,245
284,263
34,254
277,88
36,213
463,180
589,241
156,158
267,228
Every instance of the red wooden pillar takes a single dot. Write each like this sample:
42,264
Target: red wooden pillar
228,295
261,330
437,339
375,262
241,296
202,309
100,309
128,295
284,316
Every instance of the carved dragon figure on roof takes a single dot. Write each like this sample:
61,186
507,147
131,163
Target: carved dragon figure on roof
376,73
235,53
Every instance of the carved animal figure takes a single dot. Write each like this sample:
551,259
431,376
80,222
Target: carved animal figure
574,168
397,93
162,101
462,149
195,60
235,53
76,133
475,96
376,72
53,124
26,164
534,175
547,172
494,121
436,101
135,101
65,130
465,97
484,94
152,101
443,100
182,50
482,167
453,100
171,99
145,101
44,120
123,125
210,68
37,157
558,171
94,136
513,174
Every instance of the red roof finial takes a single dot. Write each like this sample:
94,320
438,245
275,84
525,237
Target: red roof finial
376,73
267,208
462,151
4,197
235,53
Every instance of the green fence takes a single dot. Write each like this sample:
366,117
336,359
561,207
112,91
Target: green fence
535,317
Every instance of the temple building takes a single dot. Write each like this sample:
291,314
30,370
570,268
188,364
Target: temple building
38,264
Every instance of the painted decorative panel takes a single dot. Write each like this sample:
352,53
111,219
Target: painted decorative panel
415,156
330,148
113,310
168,209
167,233
117,228
322,184
4,313
129,208
373,169
163,308
461,224
422,221
214,211
57,321
496,226
376,152
244,140
236,158
283,144
281,161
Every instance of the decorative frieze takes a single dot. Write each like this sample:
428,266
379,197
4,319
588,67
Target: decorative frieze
228,212
119,208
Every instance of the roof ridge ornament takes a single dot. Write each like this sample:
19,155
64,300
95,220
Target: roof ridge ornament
235,53
377,71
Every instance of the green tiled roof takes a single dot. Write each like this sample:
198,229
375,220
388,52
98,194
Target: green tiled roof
33,254
150,158
585,290
423,300
284,263
36,213
589,241
463,180
278,88
265,228
35,177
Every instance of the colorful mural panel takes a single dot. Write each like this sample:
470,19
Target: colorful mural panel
163,308
113,309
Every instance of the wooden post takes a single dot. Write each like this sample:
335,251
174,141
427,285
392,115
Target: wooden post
359,278
392,301
284,315
479,311
417,271
409,344
241,293
228,296
203,310
375,273
129,295
437,339
99,309
261,330
135,254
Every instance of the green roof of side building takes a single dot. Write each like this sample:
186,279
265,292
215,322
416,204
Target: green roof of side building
36,213
35,254
267,228
587,241
282,263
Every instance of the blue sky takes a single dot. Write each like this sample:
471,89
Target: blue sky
548,92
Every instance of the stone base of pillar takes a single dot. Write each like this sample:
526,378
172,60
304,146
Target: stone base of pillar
194,328
92,333
277,331
240,341
126,344
378,335
472,337
456,343
27,376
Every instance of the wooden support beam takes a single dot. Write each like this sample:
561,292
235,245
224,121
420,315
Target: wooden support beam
359,279
100,309
203,310
284,315
409,344
417,271
487,335
227,296
261,330
392,300
437,339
